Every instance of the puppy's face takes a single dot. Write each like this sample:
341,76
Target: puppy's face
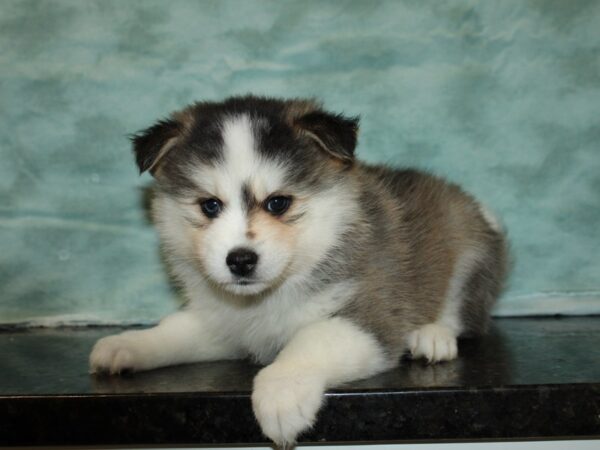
252,189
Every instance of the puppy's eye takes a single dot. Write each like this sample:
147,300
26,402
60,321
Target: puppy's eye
278,205
211,207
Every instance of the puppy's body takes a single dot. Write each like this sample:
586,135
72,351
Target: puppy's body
294,254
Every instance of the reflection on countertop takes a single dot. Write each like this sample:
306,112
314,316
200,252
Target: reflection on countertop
527,378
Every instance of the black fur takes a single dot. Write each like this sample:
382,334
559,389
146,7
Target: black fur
249,201
302,142
148,143
336,133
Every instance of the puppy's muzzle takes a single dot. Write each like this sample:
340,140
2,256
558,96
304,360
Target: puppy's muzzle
241,261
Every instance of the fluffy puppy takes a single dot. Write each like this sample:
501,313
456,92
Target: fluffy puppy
293,253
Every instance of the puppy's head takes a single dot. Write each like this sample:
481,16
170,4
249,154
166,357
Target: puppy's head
251,190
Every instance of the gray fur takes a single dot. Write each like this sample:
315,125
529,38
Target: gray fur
408,232
404,255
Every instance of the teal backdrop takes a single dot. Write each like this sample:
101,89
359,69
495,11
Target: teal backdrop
502,97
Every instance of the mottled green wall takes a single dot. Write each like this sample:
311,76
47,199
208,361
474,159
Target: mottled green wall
501,96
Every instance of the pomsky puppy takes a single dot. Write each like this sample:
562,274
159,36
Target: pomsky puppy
295,254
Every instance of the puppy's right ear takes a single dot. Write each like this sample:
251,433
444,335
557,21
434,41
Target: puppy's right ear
152,144
333,133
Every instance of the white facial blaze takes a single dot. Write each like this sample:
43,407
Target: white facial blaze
242,166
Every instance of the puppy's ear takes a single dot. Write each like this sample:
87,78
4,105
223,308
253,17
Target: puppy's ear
334,133
152,144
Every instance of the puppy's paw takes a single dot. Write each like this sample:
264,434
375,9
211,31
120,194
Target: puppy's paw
117,354
286,401
433,342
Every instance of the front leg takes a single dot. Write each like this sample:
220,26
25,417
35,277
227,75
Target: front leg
182,337
289,392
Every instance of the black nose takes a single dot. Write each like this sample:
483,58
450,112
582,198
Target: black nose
241,261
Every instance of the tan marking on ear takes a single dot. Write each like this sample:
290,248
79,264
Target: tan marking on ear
186,119
316,138
163,151
295,109
299,108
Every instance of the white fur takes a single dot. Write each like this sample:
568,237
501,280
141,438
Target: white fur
241,164
320,232
437,341
318,351
179,338
262,328
288,393
259,330
434,342
281,317
463,268
491,218
218,323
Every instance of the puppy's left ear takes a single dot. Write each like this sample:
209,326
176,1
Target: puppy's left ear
334,133
152,144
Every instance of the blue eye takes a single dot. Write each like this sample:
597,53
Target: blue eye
278,205
211,207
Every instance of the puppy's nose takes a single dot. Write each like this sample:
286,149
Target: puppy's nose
241,261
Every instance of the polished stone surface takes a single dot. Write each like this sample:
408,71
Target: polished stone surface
529,378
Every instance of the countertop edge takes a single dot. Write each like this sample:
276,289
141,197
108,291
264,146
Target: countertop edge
453,413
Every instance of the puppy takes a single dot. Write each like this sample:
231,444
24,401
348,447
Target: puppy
293,253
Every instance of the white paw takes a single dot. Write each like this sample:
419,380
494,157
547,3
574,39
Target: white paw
286,401
433,342
117,354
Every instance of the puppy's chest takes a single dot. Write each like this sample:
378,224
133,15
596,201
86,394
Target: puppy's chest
263,330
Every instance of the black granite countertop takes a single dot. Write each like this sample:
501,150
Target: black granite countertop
530,378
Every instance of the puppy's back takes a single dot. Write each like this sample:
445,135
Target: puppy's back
432,256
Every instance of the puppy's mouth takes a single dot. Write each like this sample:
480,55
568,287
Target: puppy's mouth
245,286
